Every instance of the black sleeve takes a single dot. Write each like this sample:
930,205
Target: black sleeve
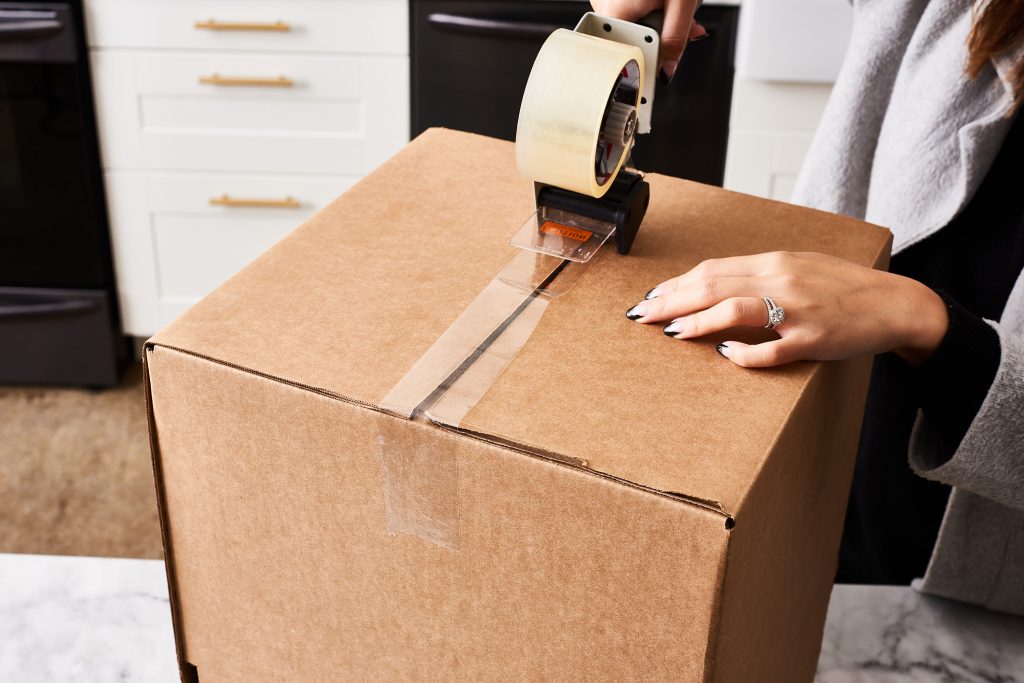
954,381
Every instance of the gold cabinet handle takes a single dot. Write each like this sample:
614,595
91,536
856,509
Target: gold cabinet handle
217,79
288,202
214,25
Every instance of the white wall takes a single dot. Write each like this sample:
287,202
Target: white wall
789,54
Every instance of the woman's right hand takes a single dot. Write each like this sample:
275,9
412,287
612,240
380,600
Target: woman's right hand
679,27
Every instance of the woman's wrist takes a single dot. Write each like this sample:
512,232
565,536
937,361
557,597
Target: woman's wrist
925,325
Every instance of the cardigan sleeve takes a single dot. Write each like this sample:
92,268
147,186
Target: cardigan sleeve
952,384
989,458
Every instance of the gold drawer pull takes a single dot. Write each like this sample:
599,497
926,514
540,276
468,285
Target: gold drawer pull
288,202
217,79
214,25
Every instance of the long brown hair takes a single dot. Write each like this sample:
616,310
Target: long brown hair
997,29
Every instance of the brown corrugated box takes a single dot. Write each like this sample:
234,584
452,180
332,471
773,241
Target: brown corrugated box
622,505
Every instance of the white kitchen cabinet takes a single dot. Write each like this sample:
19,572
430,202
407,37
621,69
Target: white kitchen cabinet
789,53
172,245
250,111
793,41
770,131
203,105
336,26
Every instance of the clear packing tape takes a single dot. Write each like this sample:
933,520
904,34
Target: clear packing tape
458,369
421,480
563,115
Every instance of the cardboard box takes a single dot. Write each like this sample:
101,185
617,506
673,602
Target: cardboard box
618,506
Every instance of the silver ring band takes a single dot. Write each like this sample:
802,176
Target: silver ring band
776,314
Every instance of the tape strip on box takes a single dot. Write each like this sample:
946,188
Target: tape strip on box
487,334
420,483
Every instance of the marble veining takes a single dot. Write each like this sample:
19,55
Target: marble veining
889,634
101,619
84,619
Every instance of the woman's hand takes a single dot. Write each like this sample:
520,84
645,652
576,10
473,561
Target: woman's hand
833,308
678,29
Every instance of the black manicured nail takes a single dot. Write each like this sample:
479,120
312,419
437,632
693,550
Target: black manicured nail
701,37
648,294
663,77
719,348
633,316
668,333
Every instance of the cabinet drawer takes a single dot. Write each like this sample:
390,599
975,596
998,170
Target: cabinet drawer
249,111
172,245
349,26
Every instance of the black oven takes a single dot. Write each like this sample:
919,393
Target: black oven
471,60
58,317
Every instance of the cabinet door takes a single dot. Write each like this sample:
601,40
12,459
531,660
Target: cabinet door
173,245
350,26
229,111
772,128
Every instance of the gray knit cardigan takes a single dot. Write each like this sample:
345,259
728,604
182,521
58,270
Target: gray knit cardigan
905,141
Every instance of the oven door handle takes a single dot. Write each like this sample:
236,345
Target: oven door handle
13,308
491,27
21,25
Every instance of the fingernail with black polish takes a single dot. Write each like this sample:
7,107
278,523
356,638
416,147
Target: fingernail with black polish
673,328
703,36
634,314
663,77
719,348
653,294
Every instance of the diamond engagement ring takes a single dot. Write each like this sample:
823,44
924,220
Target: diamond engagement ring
776,314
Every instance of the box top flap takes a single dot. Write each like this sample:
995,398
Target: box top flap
349,302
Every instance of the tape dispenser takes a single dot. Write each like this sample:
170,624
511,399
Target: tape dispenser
589,94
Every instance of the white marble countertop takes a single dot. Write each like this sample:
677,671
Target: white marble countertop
100,619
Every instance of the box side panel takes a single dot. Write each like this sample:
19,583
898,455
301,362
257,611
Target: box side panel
286,570
785,545
184,670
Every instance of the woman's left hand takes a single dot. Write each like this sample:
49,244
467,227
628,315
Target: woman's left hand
834,309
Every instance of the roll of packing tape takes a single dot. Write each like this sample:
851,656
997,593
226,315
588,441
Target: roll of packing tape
578,115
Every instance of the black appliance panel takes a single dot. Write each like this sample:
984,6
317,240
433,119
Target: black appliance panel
471,60
58,316
53,231
57,336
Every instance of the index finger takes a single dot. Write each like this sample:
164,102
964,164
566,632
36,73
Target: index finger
729,266
675,33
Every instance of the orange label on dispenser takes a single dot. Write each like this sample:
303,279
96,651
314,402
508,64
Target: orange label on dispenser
565,231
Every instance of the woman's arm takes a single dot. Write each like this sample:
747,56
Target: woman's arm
834,309
953,383
970,372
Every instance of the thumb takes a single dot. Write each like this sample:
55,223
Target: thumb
763,355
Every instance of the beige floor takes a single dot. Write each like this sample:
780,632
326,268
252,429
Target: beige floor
75,472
